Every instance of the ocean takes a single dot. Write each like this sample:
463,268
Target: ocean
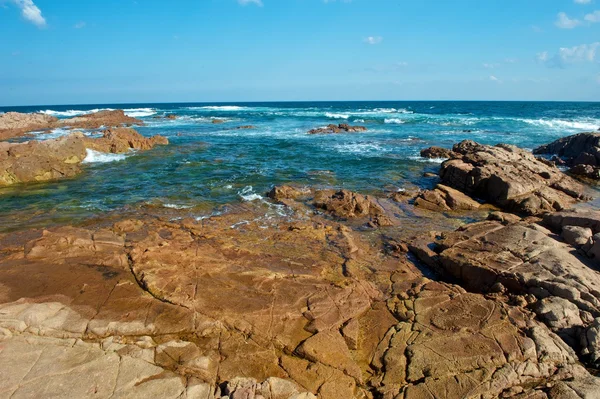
208,165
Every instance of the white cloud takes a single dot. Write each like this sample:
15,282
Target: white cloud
593,17
495,79
570,55
581,53
255,2
583,1
373,40
489,65
79,25
31,12
542,57
564,22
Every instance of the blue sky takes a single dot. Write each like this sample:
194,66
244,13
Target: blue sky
73,52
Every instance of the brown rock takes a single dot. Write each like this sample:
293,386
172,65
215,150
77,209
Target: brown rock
341,128
444,198
13,124
279,193
121,140
349,205
438,152
511,178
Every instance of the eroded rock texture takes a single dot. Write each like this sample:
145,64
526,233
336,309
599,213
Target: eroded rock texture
37,161
510,178
538,271
295,309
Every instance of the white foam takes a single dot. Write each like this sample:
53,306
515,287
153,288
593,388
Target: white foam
220,108
360,148
247,194
176,206
561,124
73,112
336,116
139,112
428,160
394,121
94,156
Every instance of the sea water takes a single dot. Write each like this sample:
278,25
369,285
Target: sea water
207,165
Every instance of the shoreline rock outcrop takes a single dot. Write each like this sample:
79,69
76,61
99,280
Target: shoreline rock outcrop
510,178
15,124
581,152
39,161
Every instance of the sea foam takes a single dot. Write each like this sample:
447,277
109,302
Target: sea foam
94,156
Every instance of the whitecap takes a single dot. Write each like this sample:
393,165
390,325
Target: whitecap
394,121
428,160
139,112
73,112
561,124
219,108
247,194
336,116
94,156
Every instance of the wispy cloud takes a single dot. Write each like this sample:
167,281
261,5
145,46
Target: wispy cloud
31,12
495,79
570,55
583,1
565,22
255,2
79,25
373,40
593,17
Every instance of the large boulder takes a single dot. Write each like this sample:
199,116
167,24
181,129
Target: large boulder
437,152
349,205
121,140
444,198
509,177
580,151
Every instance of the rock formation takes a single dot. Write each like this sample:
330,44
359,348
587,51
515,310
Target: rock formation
341,128
581,152
37,161
437,152
510,178
14,124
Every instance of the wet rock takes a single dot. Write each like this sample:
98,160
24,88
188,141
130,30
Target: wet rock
349,205
217,121
279,193
580,151
438,152
511,178
444,198
122,140
341,128
245,127
99,119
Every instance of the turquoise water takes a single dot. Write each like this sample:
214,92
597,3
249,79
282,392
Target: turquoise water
207,165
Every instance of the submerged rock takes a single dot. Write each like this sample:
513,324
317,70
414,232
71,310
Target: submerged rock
341,128
509,177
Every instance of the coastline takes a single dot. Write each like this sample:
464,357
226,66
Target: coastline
471,286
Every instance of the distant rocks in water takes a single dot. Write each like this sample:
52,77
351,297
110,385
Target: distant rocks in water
37,161
510,178
581,152
244,127
437,152
341,128
217,121
14,124
166,116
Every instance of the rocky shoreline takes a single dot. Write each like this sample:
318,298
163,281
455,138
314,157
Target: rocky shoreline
338,295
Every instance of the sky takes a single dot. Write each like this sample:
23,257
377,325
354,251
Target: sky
137,51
